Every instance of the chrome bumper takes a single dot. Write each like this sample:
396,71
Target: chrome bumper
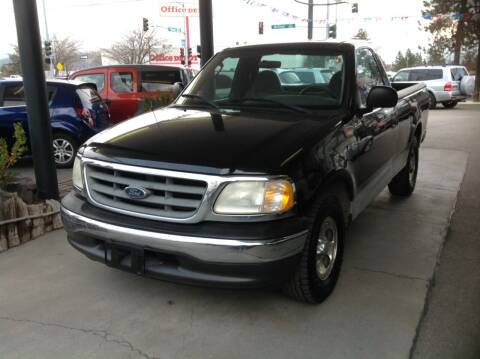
214,250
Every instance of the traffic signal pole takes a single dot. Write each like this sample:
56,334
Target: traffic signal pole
188,59
310,19
206,30
31,59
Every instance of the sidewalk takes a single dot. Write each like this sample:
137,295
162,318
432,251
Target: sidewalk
450,327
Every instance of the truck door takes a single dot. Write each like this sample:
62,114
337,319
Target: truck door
375,132
122,93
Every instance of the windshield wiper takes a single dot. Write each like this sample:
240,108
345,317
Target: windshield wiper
204,100
267,100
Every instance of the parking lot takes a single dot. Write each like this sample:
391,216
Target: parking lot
383,307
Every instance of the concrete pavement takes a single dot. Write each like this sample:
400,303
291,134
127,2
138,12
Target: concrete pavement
450,327
55,303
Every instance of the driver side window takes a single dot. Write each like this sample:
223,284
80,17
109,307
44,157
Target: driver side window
368,74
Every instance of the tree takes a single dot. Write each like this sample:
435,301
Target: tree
410,59
66,51
13,66
134,48
455,27
362,34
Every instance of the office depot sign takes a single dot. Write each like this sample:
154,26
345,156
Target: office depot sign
170,59
174,9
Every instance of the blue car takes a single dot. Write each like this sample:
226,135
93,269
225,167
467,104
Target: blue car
76,113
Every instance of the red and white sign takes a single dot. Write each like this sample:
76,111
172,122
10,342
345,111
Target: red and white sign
173,9
170,59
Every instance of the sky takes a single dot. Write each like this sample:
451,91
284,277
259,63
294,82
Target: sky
98,23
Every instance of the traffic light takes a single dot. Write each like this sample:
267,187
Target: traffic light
48,61
332,31
189,58
260,27
182,56
199,51
145,24
355,8
48,48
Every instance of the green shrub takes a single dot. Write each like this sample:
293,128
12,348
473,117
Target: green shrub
160,100
8,159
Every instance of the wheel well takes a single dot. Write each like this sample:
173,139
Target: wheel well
343,180
56,131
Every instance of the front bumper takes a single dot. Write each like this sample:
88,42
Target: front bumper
227,260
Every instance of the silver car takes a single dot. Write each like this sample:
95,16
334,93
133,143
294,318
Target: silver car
445,84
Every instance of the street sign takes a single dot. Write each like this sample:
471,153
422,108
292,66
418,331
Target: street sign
83,57
59,67
283,26
174,29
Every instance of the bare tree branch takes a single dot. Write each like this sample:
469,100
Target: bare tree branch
134,48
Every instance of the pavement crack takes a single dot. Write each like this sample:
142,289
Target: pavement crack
103,334
402,276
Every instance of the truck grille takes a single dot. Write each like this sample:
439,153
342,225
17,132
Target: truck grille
169,197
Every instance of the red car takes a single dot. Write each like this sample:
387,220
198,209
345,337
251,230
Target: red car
124,87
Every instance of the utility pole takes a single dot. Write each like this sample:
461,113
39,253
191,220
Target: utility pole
310,19
30,49
311,4
206,30
47,38
328,20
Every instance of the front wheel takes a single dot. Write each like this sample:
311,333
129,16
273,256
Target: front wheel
64,150
403,184
319,267
449,104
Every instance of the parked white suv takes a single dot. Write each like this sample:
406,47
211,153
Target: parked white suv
445,84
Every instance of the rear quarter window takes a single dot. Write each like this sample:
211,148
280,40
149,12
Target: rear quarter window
458,73
154,81
87,96
426,74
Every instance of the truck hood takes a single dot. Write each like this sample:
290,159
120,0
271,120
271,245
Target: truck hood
201,141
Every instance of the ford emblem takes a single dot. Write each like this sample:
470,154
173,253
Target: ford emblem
135,192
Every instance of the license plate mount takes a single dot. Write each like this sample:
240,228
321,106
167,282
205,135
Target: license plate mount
128,258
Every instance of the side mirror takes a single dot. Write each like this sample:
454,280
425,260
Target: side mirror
177,89
381,96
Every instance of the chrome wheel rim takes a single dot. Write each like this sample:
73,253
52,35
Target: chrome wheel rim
327,247
62,151
412,167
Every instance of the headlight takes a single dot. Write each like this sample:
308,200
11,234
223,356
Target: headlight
255,197
77,174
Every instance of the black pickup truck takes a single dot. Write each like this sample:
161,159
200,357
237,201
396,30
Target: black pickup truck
252,176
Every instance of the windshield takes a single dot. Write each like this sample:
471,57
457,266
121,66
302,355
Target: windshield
257,79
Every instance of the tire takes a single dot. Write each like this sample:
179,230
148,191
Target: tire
403,184
449,104
432,101
316,274
64,150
